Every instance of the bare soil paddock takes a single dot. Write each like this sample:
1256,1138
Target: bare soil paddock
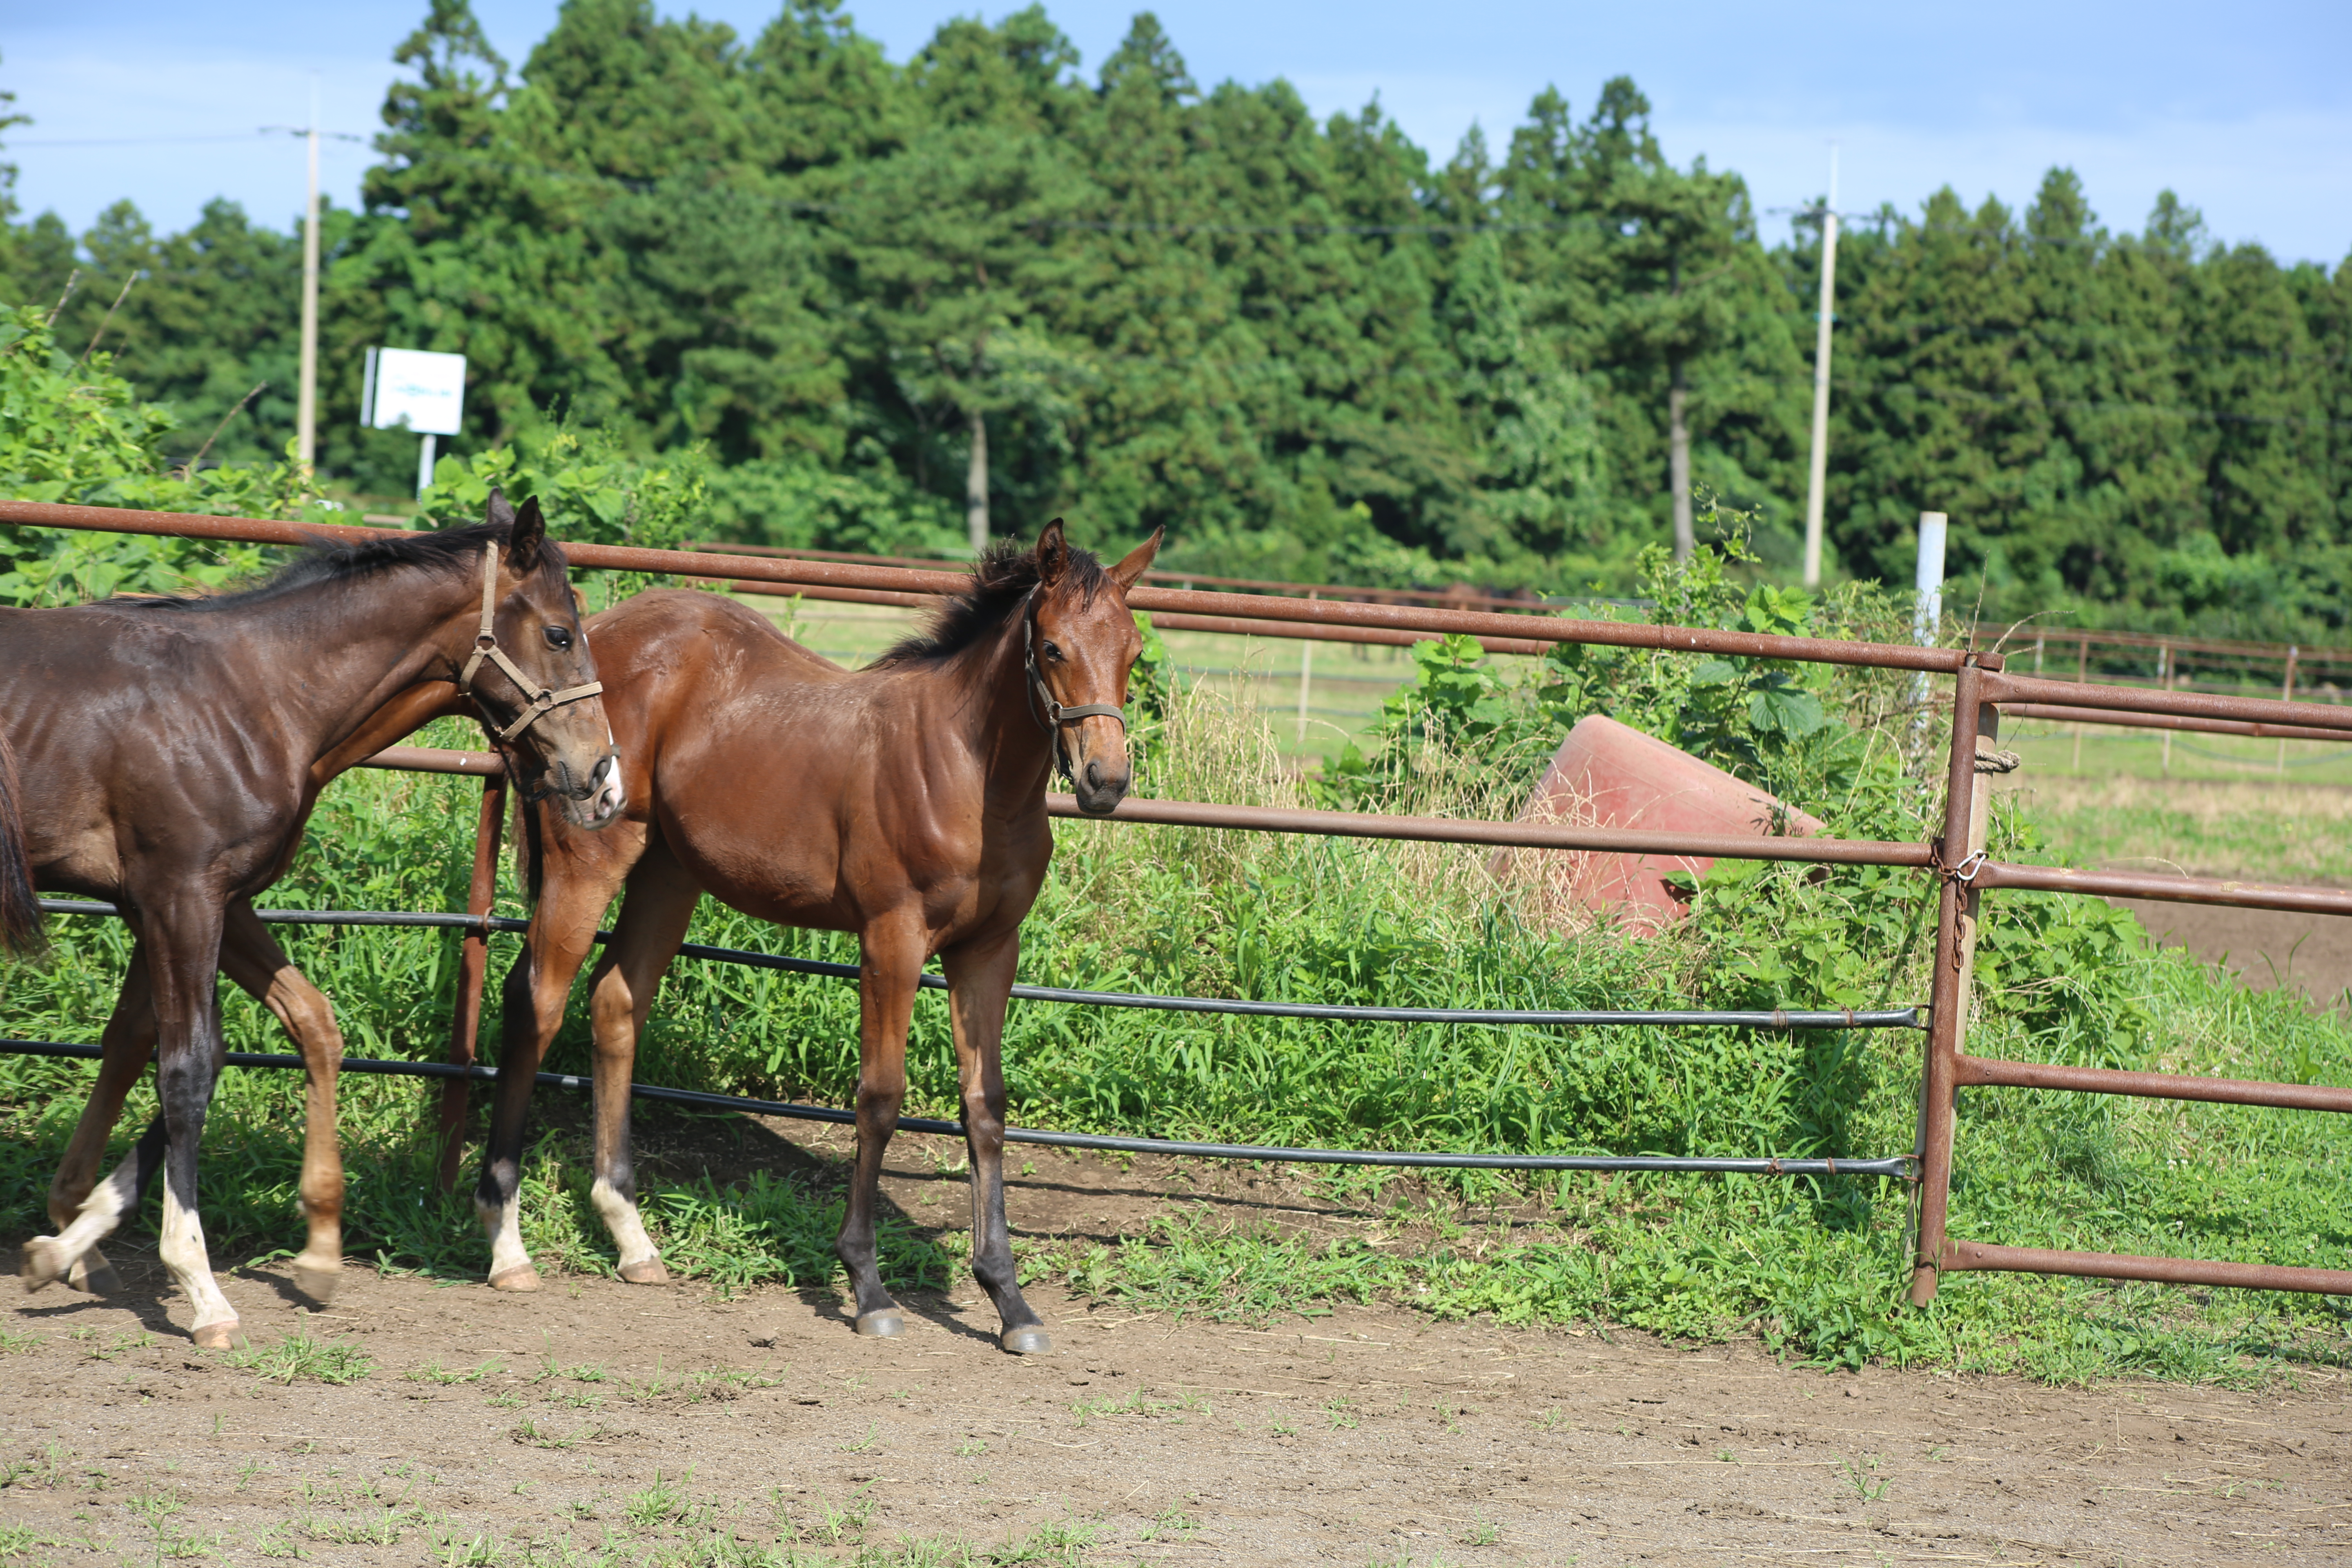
600,1419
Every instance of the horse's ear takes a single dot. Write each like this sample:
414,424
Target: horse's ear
500,514
530,534
1053,555
1137,561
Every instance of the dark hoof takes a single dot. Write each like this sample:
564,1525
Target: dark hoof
649,1272
101,1281
882,1323
318,1284
1028,1341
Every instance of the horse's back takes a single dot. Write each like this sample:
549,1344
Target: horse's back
671,624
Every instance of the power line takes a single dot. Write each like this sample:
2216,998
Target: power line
186,141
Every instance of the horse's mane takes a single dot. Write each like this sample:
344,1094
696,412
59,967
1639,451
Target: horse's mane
1001,581
449,551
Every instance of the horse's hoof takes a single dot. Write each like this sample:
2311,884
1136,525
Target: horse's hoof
522,1276
213,1336
649,1272
318,1282
882,1323
1028,1339
41,1262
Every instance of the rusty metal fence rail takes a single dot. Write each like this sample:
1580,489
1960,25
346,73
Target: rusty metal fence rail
1956,857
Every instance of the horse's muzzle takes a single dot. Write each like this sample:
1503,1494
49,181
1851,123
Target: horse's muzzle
1097,792
593,802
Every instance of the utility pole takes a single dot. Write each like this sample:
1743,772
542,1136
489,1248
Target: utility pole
1814,499
1928,616
975,483
306,399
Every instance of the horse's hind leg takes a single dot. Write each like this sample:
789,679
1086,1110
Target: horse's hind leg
127,1043
980,982
252,957
653,922
183,944
892,963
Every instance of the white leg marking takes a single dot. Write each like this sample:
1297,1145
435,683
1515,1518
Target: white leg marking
504,1223
48,1256
184,1253
622,1219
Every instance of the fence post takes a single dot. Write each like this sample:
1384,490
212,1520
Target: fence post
2286,694
1306,681
1966,823
473,965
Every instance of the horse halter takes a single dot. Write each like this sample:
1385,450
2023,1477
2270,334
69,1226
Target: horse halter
538,700
1055,714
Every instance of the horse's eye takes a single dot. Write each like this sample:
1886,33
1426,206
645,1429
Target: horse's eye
559,637
1052,652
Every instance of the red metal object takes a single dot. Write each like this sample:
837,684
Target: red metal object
1612,775
1437,597
1166,620
2163,889
2007,690
1963,1254
1948,1015
2063,714
1993,1071
432,760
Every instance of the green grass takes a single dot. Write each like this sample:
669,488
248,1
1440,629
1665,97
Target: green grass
299,1358
2257,828
1816,1269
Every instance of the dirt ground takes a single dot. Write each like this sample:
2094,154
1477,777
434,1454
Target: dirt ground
599,1418
2264,948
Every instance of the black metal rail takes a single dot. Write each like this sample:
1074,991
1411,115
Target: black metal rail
1899,1166
1754,1018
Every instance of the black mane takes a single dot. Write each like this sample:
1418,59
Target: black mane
450,550
1001,581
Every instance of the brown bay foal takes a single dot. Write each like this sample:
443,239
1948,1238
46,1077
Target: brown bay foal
164,753
904,802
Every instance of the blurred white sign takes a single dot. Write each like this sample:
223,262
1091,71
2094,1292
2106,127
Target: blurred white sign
424,392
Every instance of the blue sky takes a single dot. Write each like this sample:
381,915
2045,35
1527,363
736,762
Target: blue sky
2244,109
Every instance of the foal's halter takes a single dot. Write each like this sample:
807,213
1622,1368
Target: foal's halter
1055,714
538,700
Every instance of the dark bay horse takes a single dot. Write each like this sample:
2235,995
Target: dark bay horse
905,801
164,753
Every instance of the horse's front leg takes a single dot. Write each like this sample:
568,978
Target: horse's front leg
251,957
653,923
890,965
574,895
980,980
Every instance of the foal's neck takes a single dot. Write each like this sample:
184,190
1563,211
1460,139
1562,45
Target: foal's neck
339,650
999,716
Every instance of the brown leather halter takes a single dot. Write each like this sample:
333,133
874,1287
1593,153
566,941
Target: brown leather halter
538,700
1055,714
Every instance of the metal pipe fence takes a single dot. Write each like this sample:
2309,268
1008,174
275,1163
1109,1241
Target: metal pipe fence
1956,857
1660,1164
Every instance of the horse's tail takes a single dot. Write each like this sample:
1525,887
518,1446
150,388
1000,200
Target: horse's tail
20,910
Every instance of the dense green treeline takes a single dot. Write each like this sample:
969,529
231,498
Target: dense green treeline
887,298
